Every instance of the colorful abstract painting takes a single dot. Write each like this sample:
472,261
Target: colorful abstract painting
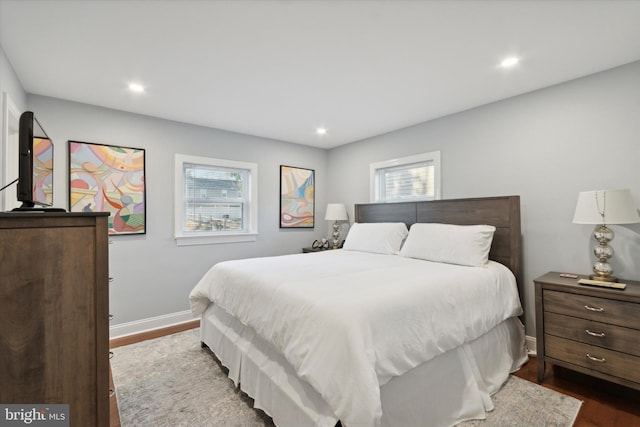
108,178
297,197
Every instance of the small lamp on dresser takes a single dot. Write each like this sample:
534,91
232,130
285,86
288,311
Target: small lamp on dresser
336,212
602,207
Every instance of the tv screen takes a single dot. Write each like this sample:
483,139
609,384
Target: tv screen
35,165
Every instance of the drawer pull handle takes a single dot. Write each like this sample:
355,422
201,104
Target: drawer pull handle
599,309
595,334
596,359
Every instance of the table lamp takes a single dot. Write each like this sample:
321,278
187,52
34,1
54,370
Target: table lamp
602,207
336,212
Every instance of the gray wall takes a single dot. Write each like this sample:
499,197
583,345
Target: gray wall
10,84
545,146
153,276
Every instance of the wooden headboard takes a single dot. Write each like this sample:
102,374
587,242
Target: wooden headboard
501,212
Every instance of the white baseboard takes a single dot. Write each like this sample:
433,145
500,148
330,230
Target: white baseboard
530,343
145,325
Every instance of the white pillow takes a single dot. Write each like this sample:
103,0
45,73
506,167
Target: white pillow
376,237
453,244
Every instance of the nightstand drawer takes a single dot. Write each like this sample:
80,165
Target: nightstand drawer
605,335
596,358
593,308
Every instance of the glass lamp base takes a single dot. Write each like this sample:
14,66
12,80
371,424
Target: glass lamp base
336,235
602,269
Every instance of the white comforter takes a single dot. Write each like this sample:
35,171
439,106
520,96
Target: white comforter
349,321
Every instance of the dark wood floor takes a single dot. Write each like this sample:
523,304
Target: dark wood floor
604,404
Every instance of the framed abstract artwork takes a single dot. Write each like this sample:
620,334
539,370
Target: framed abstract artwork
109,178
297,197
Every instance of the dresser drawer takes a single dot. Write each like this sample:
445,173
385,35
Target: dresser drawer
604,335
593,308
610,362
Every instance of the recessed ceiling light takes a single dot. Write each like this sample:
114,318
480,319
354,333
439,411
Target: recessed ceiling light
321,131
509,62
136,88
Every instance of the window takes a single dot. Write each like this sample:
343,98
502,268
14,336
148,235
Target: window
406,179
216,201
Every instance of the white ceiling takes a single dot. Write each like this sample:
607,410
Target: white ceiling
279,69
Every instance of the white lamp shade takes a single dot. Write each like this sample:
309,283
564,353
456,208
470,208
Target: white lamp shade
336,212
606,207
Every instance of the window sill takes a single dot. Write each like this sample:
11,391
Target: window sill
215,239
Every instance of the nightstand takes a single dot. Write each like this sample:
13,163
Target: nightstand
588,329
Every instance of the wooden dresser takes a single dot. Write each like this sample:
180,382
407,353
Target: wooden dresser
589,329
54,313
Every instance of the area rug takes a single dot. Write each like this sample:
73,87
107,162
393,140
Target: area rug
172,381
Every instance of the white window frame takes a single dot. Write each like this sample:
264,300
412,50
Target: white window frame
214,237
432,157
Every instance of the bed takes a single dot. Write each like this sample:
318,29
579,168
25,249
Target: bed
376,337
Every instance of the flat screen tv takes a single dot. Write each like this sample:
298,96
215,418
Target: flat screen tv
35,165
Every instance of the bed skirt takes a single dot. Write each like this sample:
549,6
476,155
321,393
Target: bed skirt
444,391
